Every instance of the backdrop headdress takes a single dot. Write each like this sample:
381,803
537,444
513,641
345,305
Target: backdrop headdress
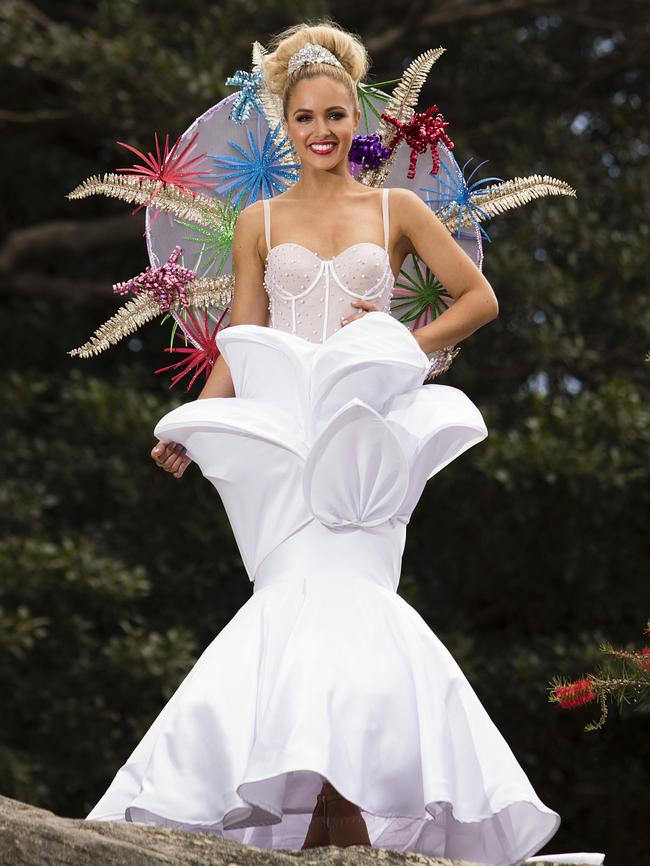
235,153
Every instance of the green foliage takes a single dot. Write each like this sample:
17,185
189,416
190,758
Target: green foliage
93,638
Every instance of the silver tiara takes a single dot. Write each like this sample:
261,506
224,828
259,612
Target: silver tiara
312,53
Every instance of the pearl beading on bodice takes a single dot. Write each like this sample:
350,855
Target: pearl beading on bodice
308,294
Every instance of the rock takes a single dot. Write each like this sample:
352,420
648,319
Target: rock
30,836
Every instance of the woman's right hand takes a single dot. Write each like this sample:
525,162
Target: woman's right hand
171,457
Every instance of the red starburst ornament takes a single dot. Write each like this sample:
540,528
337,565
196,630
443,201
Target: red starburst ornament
421,131
168,167
202,357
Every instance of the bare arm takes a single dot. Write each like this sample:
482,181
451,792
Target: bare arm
249,305
475,303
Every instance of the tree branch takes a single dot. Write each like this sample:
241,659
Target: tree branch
73,236
452,13
7,116
39,283
47,241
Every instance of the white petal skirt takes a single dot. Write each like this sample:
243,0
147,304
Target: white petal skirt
326,672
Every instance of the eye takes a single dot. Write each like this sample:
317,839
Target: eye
332,114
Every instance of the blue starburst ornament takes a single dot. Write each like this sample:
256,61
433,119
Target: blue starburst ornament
257,172
460,194
248,96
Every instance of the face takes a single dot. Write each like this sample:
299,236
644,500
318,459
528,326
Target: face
320,111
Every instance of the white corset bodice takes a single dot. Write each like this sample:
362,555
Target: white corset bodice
308,294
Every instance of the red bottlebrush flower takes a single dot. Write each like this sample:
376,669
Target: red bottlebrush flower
643,658
168,167
203,356
576,693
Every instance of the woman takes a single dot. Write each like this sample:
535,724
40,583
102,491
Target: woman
327,207
326,687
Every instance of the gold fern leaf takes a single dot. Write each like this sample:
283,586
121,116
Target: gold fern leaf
210,292
401,105
271,103
498,198
272,106
404,98
202,292
195,207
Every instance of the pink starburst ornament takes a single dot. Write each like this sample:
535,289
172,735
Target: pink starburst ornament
165,284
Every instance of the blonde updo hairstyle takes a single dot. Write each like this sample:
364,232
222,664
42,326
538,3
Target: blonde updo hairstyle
346,47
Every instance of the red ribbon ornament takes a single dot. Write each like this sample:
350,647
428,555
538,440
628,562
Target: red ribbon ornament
422,130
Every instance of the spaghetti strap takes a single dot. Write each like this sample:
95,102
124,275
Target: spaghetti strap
384,208
267,224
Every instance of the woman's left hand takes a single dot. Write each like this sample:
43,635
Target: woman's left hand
366,307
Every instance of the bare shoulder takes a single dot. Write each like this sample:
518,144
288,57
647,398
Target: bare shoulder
250,215
405,201
412,214
249,227
408,213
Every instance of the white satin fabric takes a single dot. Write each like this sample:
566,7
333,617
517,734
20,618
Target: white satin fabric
326,672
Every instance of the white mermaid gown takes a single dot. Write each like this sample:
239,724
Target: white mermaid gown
326,672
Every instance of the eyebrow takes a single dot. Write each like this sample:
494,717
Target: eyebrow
327,109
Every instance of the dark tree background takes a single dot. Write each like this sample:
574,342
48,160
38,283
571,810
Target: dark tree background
522,555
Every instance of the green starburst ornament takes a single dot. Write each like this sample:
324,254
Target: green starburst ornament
421,296
214,235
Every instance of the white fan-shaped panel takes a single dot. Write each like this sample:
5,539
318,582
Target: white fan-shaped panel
356,473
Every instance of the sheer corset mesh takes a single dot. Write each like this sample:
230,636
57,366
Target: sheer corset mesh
308,294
